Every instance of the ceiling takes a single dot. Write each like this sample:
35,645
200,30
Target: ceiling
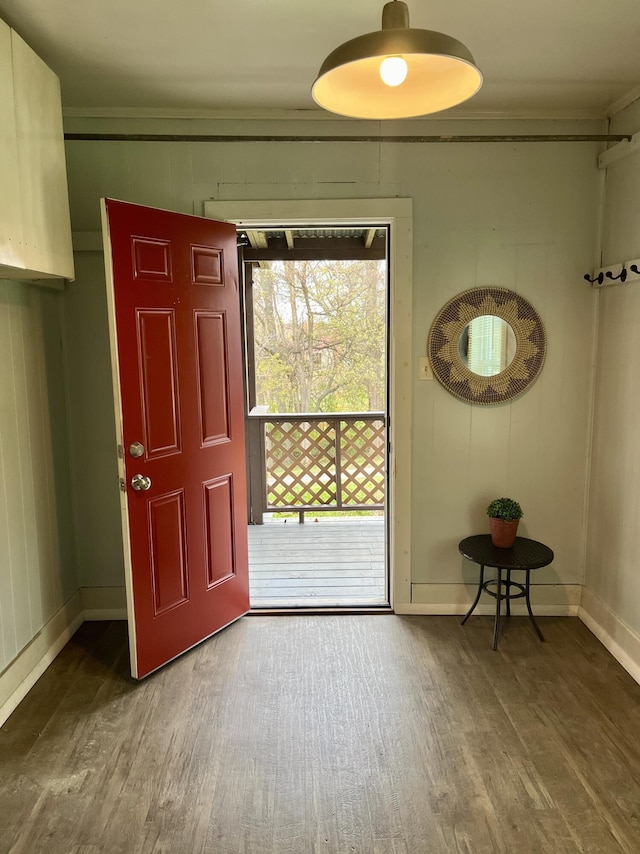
314,244
544,58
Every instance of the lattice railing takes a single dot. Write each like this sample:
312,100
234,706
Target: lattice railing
324,461
362,461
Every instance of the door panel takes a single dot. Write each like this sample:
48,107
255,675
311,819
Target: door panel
151,259
219,513
167,529
211,344
176,347
207,265
159,392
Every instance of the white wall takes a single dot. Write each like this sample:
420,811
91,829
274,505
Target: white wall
612,595
37,553
518,217
521,216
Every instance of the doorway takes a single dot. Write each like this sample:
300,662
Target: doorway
316,305
396,214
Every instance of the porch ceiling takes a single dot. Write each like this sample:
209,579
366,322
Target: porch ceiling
314,244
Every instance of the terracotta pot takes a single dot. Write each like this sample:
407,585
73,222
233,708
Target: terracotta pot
503,534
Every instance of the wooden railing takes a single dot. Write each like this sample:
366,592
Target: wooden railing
313,462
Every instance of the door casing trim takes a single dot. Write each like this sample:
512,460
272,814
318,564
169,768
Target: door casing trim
397,214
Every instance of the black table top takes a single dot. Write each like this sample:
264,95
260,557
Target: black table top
524,554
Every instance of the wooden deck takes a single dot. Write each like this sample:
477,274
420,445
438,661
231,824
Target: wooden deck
328,563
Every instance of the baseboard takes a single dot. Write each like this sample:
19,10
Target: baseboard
418,608
24,671
547,600
621,641
104,603
89,603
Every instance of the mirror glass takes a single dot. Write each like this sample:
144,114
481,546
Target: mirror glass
487,345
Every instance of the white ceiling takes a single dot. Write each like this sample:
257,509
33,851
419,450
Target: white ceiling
539,57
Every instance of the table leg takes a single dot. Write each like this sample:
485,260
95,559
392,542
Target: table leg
508,593
531,617
496,626
475,601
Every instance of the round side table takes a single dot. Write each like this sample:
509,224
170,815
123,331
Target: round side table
524,555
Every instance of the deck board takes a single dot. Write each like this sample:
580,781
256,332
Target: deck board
328,563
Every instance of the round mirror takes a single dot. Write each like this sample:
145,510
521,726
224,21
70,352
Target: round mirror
487,345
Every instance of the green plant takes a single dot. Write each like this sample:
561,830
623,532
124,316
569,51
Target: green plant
505,508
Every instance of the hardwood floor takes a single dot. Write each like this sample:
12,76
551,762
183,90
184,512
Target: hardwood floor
306,734
331,562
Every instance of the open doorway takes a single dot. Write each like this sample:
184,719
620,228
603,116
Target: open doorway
316,319
397,215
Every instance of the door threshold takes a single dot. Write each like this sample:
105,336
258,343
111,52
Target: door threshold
318,609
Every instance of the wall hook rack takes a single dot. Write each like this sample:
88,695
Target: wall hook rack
625,271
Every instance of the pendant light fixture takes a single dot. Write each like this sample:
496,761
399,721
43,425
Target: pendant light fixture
396,72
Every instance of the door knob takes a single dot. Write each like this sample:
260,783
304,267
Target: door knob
140,483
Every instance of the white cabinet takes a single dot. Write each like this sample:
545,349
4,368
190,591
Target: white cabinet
10,215
35,228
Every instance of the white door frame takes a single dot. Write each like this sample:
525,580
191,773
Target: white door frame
397,214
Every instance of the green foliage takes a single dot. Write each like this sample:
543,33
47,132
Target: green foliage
506,509
320,342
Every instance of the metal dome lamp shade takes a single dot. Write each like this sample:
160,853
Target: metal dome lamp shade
396,72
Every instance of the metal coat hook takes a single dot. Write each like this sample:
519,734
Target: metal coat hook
599,278
629,271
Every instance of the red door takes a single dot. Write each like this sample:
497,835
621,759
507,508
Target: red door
172,285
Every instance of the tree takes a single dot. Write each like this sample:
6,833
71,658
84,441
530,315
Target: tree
320,335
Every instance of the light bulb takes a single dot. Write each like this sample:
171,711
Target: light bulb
393,70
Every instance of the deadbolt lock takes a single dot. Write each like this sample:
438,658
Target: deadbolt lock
136,449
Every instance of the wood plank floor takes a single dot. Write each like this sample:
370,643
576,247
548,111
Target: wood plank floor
325,563
307,734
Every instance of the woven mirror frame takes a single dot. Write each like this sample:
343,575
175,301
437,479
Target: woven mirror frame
448,365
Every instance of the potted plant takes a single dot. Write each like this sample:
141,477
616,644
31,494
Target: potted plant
504,515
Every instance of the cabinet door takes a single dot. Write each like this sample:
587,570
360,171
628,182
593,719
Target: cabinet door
41,164
11,253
